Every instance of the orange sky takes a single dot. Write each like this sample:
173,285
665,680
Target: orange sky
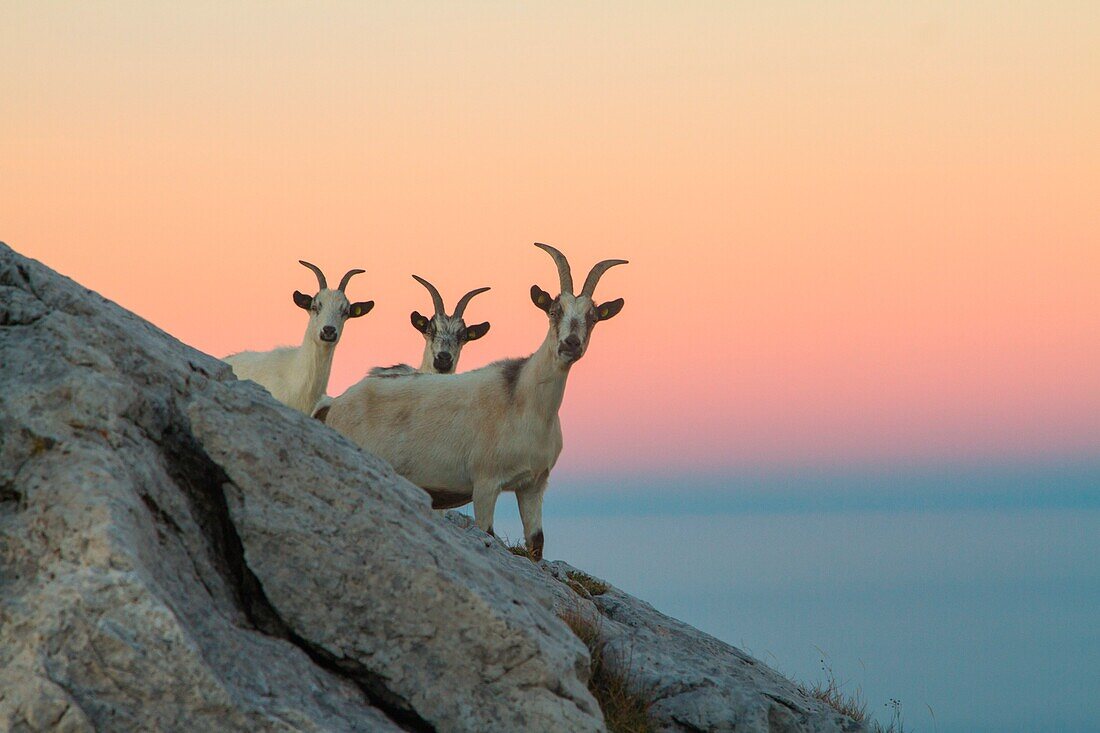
857,234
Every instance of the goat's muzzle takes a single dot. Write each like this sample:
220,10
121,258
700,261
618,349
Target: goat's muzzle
328,334
570,349
443,362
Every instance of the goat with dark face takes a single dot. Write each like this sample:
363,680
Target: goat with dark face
469,436
444,335
297,375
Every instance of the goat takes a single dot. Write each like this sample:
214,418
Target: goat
469,436
444,335
297,375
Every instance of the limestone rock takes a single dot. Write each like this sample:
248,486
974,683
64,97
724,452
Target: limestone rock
180,552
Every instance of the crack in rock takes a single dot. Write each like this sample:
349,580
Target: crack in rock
202,481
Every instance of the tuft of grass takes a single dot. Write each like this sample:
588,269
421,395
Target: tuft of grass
896,724
584,584
853,704
517,548
624,703
831,692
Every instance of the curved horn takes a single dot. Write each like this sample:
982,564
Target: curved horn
597,272
321,281
564,273
350,274
461,307
437,299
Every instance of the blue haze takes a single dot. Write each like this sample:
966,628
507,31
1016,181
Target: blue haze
973,592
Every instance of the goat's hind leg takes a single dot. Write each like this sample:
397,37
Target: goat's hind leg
529,499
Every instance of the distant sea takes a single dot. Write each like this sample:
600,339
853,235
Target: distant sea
974,604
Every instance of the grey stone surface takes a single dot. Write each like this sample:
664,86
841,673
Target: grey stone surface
703,684
698,682
121,606
178,551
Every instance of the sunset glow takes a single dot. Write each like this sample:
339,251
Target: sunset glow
865,235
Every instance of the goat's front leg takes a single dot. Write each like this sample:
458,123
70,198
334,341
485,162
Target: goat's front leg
530,513
485,502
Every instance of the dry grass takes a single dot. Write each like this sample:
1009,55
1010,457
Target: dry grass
853,704
896,725
584,584
624,703
516,548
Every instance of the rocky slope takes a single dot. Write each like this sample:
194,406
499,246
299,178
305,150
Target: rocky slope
180,552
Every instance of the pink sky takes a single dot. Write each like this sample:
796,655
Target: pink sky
858,235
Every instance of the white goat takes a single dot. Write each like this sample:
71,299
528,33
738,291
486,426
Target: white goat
297,375
469,436
444,336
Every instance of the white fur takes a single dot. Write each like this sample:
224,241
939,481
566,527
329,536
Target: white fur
467,437
298,375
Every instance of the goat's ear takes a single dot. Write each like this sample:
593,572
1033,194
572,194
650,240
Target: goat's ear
541,298
360,309
302,300
608,310
476,331
420,323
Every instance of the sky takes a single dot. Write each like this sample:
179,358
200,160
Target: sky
861,235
